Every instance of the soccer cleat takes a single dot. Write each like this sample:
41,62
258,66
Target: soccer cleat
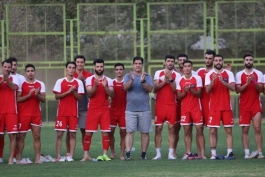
185,156
128,156
157,157
43,159
191,156
260,156
213,157
49,158
1,160
171,157
100,158
62,159
143,157
230,156
254,154
106,158
29,161
14,160
246,156
69,159
218,157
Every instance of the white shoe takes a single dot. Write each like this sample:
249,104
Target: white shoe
246,156
14,160
171,157
62,159
254,154
185,157
23,161
1,160
213,157
29,161
43,159
157,157
69,159
260,156
49,158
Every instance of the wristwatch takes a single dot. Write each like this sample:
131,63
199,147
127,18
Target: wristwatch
171,80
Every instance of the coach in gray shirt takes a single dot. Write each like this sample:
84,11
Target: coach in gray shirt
138,85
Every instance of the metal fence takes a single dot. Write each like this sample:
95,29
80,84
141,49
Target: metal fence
42,35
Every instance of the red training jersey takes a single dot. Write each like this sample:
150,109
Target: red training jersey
118,102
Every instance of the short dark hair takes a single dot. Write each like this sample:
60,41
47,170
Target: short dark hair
79,56
219,55
6,61
119,64
70,62
29,65
12,59
248,55
182,55
210,52
169,56
98,60
138,58
187,61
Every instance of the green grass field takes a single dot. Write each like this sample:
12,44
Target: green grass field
136,167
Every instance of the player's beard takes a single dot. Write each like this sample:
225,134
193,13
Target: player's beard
248,66
99,73
218,66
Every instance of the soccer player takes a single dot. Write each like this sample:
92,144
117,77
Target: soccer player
117,110
21,79
189,88
68,91
218,83
165,107
249,83
138,85
8,107
30,93
81,74
99,88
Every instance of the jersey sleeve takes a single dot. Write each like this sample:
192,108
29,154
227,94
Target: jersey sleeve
156,76
238,78
88,81
199,81
57,86
80,87
148,80
231,77
207,79
43,88
260,77
178,84
20,87
15,81
110,82
126,78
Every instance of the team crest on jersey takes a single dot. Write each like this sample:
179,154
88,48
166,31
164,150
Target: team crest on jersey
192,86
225,79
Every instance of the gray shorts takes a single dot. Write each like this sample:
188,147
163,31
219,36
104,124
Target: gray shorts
82,119
140,121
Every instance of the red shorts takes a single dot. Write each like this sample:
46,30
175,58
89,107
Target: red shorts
62,123
216,116
178,111
118,120
97,117
246,117
205,114
165,114
8,122
193,117
25,122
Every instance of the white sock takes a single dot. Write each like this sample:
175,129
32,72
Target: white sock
213,151
228,151
246,151
158,153
170,151
260,153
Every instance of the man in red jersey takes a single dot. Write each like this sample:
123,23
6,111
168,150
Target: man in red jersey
8,106
117,110
81,74
99,88
68,91
165,107
30,93
189,89
218,83
249,83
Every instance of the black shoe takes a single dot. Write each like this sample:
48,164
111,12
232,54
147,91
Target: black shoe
128,156
143,156
230,156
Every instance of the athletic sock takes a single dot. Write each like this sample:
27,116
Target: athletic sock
228,151
260,153
2,144
158,151
246,151
87,142
105,142
213,151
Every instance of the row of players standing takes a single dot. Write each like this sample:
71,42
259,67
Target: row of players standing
166,82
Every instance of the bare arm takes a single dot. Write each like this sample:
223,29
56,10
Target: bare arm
129,84
77,95
147,87
197,92
181,95
109,91
21,98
